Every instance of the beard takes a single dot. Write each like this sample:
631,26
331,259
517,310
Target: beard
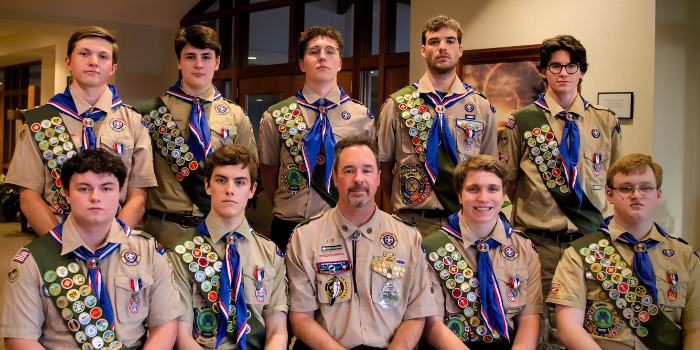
358,202
441,69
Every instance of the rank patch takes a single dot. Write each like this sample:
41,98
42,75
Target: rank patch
13,274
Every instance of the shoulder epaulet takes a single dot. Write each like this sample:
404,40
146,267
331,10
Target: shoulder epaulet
141,234
482,95
402,220
230,101
308,220
261,236
521,234
131,108
601,108
679,239
356,101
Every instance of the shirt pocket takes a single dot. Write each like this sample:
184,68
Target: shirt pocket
341,132
513,302
326,285
465,144
121,147
220,129
596,164
663,287
389,292
128,308
254,296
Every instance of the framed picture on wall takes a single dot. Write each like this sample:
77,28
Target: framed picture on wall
622,103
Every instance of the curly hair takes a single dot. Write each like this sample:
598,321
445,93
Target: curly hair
98,160
438,22
199,37
314,32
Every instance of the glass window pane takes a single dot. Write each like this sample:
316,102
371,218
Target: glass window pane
213,7
257,1
332,13
226,89
35,75
256,105
370,89
211,23
403,26
375,27
265,44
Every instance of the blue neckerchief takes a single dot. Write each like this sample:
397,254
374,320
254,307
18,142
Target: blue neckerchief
319,134
641,264
200,137
96,281
231,278
64,103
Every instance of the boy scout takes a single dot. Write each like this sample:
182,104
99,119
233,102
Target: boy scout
475,248
436,110
297,135
357,277
203,275
557,151
629,285
88,114
187,124
97,282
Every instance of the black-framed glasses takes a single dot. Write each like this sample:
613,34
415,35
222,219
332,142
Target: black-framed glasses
630,189
571,68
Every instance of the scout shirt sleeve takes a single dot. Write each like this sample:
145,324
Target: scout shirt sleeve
436,290
489,143
302,291
279,298
28,169
509,151
615,140
534,283
386,133
244,136
184,287
23,316
569,286
421,302
691,311
165,300
270,144
142,174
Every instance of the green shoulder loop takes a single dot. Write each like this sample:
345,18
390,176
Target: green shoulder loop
356,101
230,101
308,220
601,108
143,234
259,235
403,221
482,95
131,108
679,240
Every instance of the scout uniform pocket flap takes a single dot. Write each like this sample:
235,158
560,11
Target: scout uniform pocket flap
131,306
257,285
218,123
113,143
589,154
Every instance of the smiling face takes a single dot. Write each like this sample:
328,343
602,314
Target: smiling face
94,198
324,66
635,206
441,51
481,197
90,63
230,188
197,67
562,83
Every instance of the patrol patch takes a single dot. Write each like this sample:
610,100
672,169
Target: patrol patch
13,274
504,158
117,124
333,267
414,185
23,254
389,240
510,124
221,109
339,288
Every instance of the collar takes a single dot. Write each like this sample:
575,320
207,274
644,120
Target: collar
218,231
72,240
104,103
346,228
312,97
616,230
425,86
577,107
498,233
207,95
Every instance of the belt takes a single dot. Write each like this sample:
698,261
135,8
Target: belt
427,213
180,219
559,236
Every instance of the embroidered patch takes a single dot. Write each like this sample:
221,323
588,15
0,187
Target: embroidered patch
667,252
221,109
13,274
535,248
595,133
340,287
504,158
414,185
597,187
469,107
23,254
293,180
326,248
159,248
117,124
510,124
279,252
389,240
554,287
130,257
513,310
333,267
345,115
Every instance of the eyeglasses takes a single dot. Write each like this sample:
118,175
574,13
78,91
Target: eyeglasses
316,51
571,68
630,189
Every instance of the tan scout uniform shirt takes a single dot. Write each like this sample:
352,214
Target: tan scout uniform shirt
30,315
526,264
255,251
357,319
30,172
576,291
307,203
395,143
534,207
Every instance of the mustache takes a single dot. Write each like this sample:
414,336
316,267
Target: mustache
359,187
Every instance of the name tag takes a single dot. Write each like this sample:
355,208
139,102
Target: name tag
326,248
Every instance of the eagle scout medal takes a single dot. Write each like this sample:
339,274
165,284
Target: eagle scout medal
672,277
512,291
259,276
597,166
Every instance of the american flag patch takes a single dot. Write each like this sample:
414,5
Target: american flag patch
510,123
21,256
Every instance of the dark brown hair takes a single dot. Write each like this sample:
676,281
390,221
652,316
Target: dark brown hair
438,22
97,160
355,140
563,42
635,163
314,32
233,155
199,37
476,163
93,32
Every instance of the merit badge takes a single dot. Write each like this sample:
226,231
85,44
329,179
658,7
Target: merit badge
117,124
389,240
221,109
62,271
261,294
345,115
509,252
130,257
13,274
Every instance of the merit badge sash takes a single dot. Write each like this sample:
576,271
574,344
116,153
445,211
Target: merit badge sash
630,298
414,182
293,129
543,150
204,266
461,281
171,145
72,295
55,147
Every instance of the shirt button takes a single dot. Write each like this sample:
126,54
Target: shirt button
365,328
359,278
359,255
363,303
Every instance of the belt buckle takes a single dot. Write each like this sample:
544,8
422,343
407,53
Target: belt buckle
184,218
567,235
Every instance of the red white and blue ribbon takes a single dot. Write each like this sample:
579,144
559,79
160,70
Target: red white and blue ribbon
136,283
96,281
118,147
440,131
64,103
200,138
320,133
